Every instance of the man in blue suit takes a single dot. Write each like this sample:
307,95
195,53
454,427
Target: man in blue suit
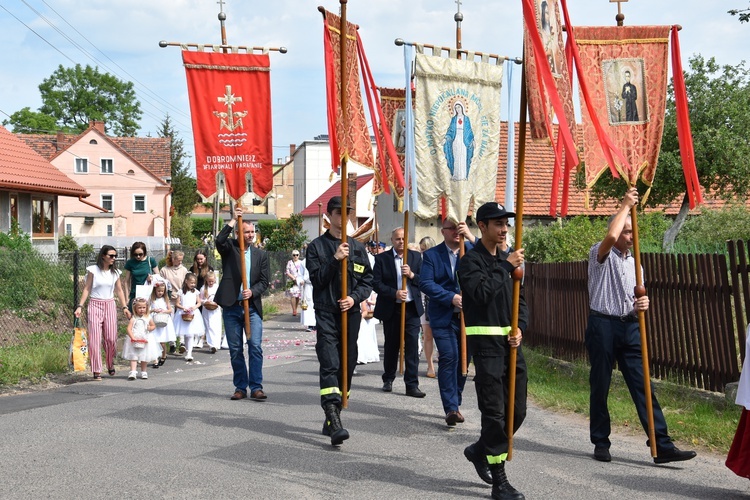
387,279
438,281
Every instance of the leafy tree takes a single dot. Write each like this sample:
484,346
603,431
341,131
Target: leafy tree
288,236
184,194
719,98
744,14
26,121
75,96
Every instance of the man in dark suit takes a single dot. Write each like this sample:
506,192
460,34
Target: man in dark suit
230,296
387,281
438,281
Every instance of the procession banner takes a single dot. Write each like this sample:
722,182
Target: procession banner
393,102
355,140
626,69
230,107
457,133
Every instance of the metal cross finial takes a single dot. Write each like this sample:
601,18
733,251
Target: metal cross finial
221,5
458,17
620,17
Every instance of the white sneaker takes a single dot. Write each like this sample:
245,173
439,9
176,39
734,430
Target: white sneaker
132,375
144,375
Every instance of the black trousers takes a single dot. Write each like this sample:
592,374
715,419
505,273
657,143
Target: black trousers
492,383
392,334
609,340
328,349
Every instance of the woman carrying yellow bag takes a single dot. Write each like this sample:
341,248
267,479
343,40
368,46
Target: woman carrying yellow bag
79,349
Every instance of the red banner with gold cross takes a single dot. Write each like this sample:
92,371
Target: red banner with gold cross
230,108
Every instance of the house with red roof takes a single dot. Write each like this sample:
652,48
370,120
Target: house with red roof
31,190
128,179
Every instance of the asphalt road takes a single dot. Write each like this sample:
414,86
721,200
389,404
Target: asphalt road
177,435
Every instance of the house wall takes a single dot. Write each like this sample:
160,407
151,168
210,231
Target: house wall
121,184
43,244
281,202
4,211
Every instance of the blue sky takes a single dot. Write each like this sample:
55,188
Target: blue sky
123,36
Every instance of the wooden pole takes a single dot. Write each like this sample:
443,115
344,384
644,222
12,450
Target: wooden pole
320,218
402,337
344,216
243,270
640,291
462,333
518,272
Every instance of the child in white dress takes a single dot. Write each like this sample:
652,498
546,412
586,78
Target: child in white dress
140,344
188,321
161,309
211,313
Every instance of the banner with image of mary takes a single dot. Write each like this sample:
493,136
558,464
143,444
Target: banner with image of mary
457,133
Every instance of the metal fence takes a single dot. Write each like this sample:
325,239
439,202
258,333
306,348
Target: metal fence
39,291
695,326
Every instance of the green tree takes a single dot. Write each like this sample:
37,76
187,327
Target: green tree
744,14
288,236
184,194
719,98
75,96
26,121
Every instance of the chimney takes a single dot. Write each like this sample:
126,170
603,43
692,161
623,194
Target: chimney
352,198
292,149
98,125
59,140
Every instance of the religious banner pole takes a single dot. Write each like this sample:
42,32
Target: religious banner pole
402,338
458,17
344,216
640,291
517,272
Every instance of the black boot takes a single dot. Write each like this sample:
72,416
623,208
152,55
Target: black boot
480,463
501,488
326,428
333,419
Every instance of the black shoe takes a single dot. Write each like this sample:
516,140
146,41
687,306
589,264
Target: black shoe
326,428
172,349
480,464
415,393
387,386
451,418
673,455
501,487
602,454
333,419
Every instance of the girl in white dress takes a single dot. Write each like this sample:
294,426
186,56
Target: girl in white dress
307,316
160,305
367,342
140,344
211,313
188,302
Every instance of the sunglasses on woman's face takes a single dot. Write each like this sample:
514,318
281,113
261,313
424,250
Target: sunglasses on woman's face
112,255
139,254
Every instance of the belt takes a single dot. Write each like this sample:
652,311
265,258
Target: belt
625,318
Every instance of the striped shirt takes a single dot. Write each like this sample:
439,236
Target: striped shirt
612,283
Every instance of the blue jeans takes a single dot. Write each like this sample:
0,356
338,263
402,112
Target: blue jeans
246,378
450,380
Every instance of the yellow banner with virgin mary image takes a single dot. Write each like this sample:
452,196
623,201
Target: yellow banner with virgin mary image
456,133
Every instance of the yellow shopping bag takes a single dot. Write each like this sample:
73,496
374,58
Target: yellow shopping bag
79,349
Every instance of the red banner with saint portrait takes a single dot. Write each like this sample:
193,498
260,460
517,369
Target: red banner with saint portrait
393,102
626,69
230,107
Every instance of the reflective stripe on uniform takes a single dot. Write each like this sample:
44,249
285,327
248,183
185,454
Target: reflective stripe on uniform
330,390
487,330
497,459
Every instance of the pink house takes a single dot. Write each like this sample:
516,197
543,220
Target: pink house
128,179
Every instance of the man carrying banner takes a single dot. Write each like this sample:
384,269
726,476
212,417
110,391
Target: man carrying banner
323,263
387,279
247,377
487,288
613,335
439,282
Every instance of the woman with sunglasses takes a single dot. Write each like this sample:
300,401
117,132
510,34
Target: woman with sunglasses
295,279
102,284
138,268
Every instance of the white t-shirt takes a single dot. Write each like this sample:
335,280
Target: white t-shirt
103,286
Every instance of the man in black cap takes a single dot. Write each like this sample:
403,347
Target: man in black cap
487,294
324,255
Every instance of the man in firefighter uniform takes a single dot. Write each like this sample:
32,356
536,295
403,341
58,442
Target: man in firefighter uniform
487,288
324,255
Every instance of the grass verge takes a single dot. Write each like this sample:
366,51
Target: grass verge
38,355
695,418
